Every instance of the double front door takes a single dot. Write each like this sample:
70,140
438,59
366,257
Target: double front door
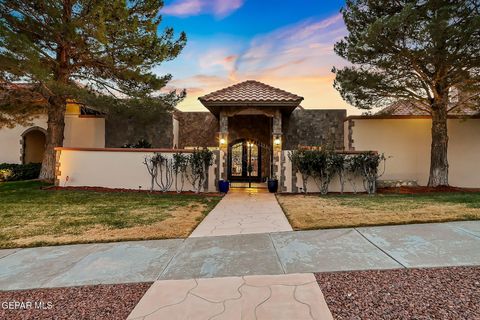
244,161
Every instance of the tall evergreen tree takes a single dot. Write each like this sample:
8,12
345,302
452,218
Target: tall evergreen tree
424,51
96,52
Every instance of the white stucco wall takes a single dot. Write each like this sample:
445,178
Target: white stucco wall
79,132
11,140
407,143
113,169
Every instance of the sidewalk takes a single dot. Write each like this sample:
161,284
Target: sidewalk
406,246
244,211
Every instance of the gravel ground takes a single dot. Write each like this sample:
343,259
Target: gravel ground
87,302
438,293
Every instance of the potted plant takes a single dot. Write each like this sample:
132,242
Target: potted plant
272,184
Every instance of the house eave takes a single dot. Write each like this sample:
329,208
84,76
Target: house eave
399,117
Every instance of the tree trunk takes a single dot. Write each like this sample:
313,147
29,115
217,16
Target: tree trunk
55,135
438,160
57,103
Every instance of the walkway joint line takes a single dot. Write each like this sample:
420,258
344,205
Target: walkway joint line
467,232
276,253
15,251
177,251
378,247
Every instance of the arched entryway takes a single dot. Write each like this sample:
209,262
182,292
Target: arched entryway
245,161
33,145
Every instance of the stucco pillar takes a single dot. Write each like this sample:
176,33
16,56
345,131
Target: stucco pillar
223,145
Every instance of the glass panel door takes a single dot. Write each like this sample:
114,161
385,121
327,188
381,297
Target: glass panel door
237,159
252,159
244,161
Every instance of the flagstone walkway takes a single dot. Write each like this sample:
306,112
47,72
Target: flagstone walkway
292,296
244,211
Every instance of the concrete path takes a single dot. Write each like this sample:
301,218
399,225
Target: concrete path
244,211
293,296
406,246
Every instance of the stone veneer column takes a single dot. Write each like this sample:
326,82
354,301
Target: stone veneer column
223,137
58,173
277,147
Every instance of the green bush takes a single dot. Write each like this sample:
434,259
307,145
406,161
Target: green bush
322,165
141,144
17,172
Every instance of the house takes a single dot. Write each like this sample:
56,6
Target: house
252,127
248,121
84,128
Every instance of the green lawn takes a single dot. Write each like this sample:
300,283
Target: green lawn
336,211
30,216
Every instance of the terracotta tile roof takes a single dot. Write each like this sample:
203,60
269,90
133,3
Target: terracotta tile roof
409,108
403,108
250,91
30,89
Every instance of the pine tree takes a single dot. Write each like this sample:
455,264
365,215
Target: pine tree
94,52
422,51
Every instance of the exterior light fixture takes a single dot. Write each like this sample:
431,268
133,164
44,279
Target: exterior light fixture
277,141
222,141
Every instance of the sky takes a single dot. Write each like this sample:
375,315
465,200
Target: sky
286,44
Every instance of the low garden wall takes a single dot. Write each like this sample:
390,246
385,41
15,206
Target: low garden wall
123,168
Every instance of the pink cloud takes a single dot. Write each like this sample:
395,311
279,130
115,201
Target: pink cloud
186,8
223,8
309,42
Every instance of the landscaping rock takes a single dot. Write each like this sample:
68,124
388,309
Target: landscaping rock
439,293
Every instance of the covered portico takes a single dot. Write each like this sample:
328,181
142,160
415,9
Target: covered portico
250,128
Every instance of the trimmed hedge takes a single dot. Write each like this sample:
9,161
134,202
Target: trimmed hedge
17,172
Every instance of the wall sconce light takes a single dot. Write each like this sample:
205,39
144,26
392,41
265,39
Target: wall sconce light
222,141
277,141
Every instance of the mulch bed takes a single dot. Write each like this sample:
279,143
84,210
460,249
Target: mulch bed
87,302
120,190
417,190
437,293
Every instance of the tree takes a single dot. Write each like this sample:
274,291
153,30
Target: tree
99,53
423,51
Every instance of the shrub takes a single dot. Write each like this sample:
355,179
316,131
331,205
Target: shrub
141,144
17,172
161,167
322,169
339,165
301,162
366,164
200,161
180,165
323,165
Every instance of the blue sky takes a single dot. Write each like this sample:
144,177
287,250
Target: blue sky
287,44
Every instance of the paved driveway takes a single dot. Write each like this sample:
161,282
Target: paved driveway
244,211
406,246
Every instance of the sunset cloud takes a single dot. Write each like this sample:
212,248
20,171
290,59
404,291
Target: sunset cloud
186,8
297,58
302,49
